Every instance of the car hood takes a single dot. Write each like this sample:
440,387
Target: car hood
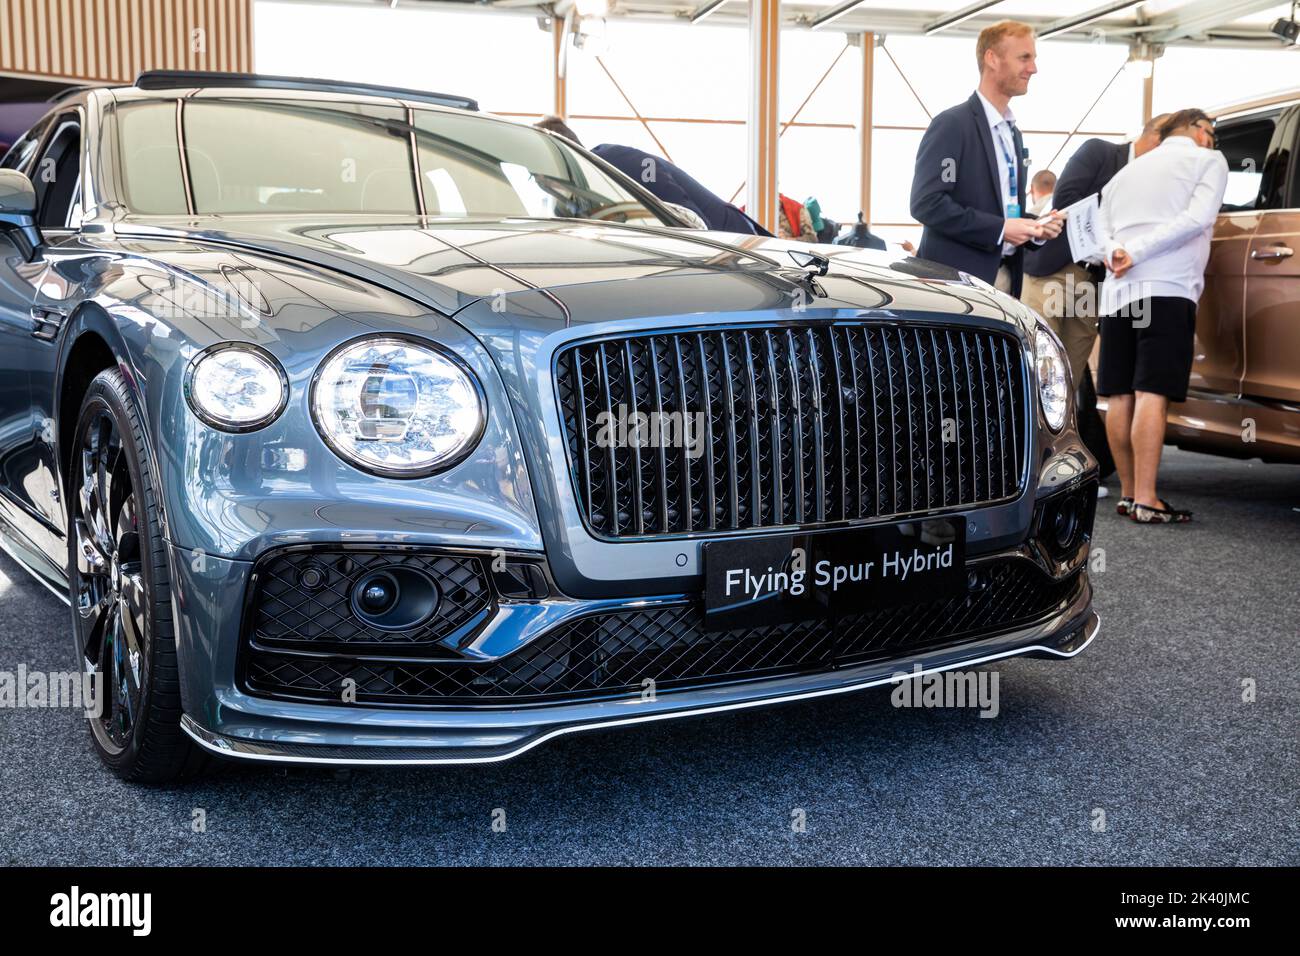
562,268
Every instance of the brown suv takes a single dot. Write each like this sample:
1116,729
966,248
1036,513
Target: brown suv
1246,374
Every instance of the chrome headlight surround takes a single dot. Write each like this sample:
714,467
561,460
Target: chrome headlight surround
256,366
1053,376
408,374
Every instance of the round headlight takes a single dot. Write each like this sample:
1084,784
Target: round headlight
236,387
1053,379
396,408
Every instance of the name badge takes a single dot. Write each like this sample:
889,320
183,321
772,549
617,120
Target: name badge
1013,210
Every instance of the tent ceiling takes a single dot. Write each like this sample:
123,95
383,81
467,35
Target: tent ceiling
1172,22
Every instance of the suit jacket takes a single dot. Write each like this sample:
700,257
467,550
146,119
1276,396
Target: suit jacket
671,183
1092,166
957,194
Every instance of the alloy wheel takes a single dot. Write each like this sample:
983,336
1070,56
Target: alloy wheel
109,586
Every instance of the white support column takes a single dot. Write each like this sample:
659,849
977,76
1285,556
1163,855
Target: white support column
764,54
865,122
559,66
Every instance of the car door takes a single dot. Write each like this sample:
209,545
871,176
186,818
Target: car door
1219,357
1272,314
33,303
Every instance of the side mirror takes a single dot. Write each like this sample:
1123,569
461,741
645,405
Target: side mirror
18,209
690,216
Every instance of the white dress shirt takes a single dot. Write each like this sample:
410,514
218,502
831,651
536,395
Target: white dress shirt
1000,126
1160,209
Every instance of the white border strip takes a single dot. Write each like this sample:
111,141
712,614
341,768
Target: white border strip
191,727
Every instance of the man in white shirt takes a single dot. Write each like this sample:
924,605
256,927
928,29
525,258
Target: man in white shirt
1158,215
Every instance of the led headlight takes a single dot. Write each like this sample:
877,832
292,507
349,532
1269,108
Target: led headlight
236,387
1053,379
396,408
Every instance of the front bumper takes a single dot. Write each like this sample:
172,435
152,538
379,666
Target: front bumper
233,724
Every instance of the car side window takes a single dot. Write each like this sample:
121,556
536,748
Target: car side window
1245,145
1279,167
57,174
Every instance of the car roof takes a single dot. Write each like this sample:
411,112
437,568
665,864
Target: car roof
1280,99
168,84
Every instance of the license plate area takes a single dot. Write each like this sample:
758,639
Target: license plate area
780,579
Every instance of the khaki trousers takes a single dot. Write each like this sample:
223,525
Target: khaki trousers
1003,280
1067,301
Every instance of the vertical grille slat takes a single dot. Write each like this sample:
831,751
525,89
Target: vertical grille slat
819,437
632,406
730,403
799,425
796,416
659,439
971,418
611,476
928,435
984,418
706,394
944,498
877,464
778,448
757,478
859,483
579,444
688,421
909,409
998,393
1012,398
895,478
844,512
956,417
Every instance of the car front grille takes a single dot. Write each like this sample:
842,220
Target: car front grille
615,653
797,425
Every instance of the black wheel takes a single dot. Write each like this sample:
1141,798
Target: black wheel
121,610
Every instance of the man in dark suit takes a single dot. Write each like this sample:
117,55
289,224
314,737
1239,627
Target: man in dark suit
665,180
673,184
968,190
1062,291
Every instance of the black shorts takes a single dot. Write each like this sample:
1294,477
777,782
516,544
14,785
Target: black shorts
1148,348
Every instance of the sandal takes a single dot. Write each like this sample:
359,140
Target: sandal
1145,514
1124,506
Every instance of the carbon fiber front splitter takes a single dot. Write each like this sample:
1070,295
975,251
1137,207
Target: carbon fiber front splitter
355,736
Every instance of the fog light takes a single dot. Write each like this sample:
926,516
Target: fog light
1065,524
378,593
396,599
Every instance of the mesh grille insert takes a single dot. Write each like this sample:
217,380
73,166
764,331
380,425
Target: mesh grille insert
287,612
614,653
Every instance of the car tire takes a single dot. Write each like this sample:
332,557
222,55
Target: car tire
119,586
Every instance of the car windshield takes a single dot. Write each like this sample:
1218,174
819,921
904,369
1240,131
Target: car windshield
244,156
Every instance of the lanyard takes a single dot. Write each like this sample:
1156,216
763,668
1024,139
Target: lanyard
1013,171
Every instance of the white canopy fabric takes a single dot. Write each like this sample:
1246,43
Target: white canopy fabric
688,81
